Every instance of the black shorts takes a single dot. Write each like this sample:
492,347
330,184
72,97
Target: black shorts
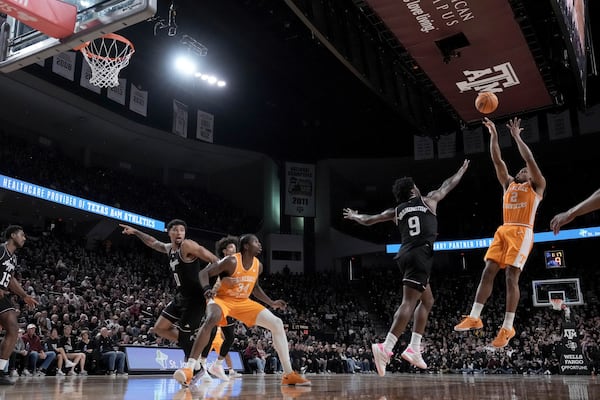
186,312
6,303
415,266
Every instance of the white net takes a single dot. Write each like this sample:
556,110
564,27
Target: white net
107,56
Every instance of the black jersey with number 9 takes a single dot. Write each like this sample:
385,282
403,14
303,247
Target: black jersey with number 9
417,224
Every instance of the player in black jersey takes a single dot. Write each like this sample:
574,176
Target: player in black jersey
416,219
15,239
182,316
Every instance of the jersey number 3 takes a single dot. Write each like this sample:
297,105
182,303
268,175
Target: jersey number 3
414,226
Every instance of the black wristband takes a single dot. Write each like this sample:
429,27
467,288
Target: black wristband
206,288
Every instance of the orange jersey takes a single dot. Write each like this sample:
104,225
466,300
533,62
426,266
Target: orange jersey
520,204
241,283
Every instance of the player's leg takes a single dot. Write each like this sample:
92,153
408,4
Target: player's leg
165,325
268,320
228,339
412,354
513,294
8,319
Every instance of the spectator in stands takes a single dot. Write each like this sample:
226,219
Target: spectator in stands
53,343
18,358
36,352
109,353
253,358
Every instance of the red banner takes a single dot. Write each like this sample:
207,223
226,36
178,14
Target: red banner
494,57
52,17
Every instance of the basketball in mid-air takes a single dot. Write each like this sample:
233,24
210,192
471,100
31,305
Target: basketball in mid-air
486,102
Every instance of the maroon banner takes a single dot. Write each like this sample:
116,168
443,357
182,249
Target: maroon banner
494,58
52,17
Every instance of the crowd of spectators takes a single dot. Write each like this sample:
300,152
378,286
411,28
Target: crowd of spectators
115,294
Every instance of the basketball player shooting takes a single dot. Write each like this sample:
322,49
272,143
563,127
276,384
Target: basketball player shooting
514,239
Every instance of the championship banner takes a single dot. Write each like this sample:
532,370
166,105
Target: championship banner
473,141
84,80
180,118
205,126
63,64
467,47
589,121
138,101
531,130
299,190
572,361
423,147
117,93
559,125
447,146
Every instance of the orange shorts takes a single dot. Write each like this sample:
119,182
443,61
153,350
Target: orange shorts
244,310
511,246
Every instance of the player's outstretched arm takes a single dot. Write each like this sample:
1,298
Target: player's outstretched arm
499,165
590,204
148,240
448,184
366,219
192,247
538,180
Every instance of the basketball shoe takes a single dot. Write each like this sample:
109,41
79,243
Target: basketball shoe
468,323
183,376
381,357
218,372
504,335
414,357
198,374
293,378
234,374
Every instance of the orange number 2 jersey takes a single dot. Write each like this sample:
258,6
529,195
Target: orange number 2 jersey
241,283
520,204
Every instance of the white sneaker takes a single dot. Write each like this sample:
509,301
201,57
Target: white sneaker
217,371
40,373
414,358
14,373
198,374
27,372
234,374
59,373
69,364
72,373
380,357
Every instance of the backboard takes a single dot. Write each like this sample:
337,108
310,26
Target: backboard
567,289
21,45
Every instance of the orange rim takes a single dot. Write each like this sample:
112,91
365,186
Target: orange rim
113,36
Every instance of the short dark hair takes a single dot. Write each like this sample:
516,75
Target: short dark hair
10,230
222,244
402,188
245,239
175,222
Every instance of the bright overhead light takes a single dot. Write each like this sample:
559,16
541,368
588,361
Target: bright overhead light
221,83
212,80
185,65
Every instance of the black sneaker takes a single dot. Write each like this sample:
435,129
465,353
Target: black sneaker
5,381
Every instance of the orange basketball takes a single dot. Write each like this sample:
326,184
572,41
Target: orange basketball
486,102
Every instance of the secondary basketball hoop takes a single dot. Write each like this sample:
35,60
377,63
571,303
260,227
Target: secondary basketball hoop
557,304
107,56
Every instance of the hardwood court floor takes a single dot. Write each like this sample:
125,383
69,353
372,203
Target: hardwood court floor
330,387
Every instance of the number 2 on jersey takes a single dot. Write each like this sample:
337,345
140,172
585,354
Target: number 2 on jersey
414,226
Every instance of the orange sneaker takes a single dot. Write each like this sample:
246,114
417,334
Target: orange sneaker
183,376
504,335
469,323
293,378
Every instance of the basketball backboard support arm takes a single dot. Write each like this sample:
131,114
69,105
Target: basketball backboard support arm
26,45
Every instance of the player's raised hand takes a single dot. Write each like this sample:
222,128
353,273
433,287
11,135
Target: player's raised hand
127,230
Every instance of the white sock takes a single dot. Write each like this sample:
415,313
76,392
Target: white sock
219,361
509,319
476,310
191,363
415,342
3,363
390,342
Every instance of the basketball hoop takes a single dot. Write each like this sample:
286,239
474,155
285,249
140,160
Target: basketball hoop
556,304
107,56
